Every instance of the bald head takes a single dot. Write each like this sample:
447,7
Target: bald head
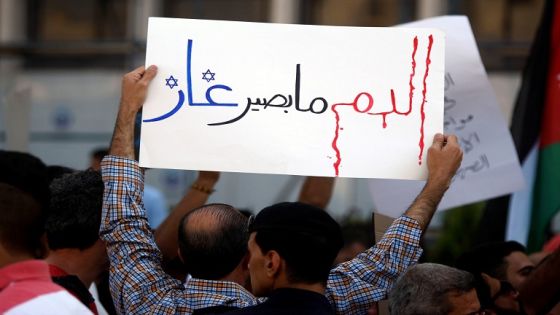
213,241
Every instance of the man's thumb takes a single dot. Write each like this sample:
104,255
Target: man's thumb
149,74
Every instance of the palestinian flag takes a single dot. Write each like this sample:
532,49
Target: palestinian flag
535,129
546,191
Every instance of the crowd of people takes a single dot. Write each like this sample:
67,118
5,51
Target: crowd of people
62,230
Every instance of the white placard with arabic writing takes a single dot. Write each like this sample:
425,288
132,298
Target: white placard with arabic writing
292,99
490,166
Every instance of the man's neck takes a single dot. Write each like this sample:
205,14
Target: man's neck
315,287
73,262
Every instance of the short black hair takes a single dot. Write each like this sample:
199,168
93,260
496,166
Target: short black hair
489,258
57,171
24,198
75,210
305,236
213,240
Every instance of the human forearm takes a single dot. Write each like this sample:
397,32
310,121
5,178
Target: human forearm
355,285
196,196
444,158
123,135
424,206
317,191
133,94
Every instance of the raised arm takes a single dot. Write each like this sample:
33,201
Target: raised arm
355,285
196,196
444,158
317,191
133,94
137,281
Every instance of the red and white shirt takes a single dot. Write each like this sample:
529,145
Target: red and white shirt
26,288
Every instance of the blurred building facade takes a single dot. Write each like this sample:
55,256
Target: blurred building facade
72,54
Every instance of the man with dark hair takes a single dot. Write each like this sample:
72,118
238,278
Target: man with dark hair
513,284
139,285
57,171
503,267
292,248
506,261
25,284
433,289
77,256
22,228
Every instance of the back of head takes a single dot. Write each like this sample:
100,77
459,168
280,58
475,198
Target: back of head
424,289
57,171
306,237
489,258
75,210
213,241
24,198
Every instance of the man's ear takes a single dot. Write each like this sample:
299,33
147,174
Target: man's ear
273,263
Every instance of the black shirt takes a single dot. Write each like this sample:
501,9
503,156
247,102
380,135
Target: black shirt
290,301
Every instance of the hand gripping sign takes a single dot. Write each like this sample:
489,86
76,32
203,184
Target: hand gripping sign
292,99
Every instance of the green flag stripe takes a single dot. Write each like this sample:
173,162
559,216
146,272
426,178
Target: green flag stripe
546,199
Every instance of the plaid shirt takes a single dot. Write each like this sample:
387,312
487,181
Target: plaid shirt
139,285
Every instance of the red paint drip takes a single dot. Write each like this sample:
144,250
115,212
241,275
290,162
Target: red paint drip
424,91
393,103
384,120
336,164
410,84
354,105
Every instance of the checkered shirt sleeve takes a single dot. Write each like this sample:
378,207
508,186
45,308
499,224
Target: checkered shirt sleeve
138,283
355,285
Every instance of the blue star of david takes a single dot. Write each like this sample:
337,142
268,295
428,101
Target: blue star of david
208,76
171,82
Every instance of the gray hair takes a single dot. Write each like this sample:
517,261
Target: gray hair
424,288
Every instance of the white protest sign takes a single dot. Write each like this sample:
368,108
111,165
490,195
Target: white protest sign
292,99
490,166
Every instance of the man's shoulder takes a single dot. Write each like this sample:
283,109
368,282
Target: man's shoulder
22,291
58,302
33,297
213,293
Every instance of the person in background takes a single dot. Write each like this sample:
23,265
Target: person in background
505,261
77,256
25,283
540,293
57,171
434,289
